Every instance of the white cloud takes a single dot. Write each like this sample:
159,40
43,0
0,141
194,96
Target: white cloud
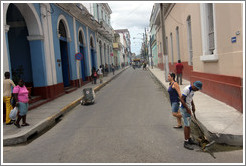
133,16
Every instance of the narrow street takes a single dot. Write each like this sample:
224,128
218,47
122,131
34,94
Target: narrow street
130,122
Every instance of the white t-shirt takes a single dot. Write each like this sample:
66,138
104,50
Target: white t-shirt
100,71
188,93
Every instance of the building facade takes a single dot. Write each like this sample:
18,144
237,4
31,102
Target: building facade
117,50
210,51
104,35
51,46
126,43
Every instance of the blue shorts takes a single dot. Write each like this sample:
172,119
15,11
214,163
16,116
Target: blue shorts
175,106
23,108
186,116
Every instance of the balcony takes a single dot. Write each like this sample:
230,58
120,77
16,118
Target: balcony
105,29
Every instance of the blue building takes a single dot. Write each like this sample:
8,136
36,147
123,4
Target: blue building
40,44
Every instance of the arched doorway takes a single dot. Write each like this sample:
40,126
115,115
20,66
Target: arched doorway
82,51
93,58
19,48
64,54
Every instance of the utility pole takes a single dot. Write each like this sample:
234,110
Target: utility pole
150,52
146,47
164,43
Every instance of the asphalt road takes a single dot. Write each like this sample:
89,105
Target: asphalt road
130,122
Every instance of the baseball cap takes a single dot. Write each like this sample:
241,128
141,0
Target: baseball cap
198,84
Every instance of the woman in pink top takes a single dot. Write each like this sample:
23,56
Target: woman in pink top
22,97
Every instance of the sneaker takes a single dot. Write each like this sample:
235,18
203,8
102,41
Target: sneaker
188,146
191,142
17,125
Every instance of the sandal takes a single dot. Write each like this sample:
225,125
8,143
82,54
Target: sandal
177,127
25,124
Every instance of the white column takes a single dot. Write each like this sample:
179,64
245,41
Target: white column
88,49
76,50
51,46
46,43
5,50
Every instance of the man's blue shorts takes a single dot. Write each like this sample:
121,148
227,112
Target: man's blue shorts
186,116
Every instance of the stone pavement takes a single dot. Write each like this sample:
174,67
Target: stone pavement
47,114
219,121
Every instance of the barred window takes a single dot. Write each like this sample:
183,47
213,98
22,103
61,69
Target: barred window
171,41
189,40
91,42
210,27
177,38
80,38
62,29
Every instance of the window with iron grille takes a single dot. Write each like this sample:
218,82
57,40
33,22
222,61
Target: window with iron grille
189,40
80,38
210,27
91,43
62,30
171,42
177,38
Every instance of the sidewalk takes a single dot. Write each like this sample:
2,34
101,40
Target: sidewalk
47,114
219,121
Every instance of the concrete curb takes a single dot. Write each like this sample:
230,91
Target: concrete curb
46,123
229,139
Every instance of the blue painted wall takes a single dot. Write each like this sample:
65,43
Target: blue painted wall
38,63
78,25
71,46
95,50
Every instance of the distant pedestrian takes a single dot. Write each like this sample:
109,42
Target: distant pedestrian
113,68
93,70
100,73
7,84
175,95
179,71
144,66
106,68
22,96
186,108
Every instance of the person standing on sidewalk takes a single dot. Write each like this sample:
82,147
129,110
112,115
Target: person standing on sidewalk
179,70
7,84
186,108
22,96
174,94
113,68
100,73
94,75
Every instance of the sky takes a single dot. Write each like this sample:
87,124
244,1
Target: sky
133,16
